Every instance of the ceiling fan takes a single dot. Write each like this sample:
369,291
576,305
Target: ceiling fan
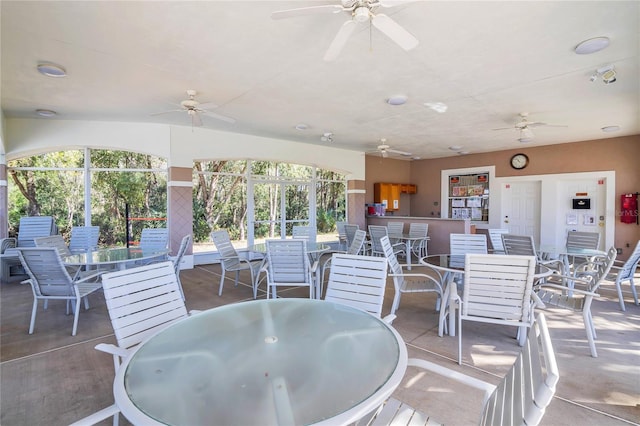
360,11
195,109
524,126
385,151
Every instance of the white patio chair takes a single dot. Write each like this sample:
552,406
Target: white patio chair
404,282
342,235
288,265
419,247
304,232
154,238
495,236
140,301
230,261
376,232
625,271
359,282
355,249
56,241
29,228
584,240
184,244
395,228
590,276
50,280
350,231
467,243
521,397
498,290
523,245
84,238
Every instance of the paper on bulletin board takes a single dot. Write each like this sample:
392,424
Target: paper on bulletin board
395,204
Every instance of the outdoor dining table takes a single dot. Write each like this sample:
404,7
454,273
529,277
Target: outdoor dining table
263,362
119,257
564,253
448,265
408,242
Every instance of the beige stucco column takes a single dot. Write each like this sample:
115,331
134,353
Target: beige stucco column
180,210
4,203
355,201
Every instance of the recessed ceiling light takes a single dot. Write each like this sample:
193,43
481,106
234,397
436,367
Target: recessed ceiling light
51,70
592,45
46,113
437,106
609,129
397,100
455,148
302,126
525,140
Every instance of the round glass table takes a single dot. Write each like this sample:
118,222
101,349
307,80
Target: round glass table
119,256
265,362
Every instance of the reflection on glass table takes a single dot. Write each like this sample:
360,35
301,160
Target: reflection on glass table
265,362
117,256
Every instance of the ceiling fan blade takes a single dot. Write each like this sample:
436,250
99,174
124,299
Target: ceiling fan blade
505,128
395,32
313,10
166,112
207,105
403,153
340,40
218,116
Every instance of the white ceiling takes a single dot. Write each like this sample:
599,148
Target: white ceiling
487,61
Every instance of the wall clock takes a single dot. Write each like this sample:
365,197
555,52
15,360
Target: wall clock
519,161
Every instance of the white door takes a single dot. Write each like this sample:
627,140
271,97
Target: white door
521,208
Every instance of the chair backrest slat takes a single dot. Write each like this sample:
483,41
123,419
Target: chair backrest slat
84,238
586,240
184,244
418,230
358,281
495,236
142,300
395,228
304,232
467,243
32,227
46,271
357,243
376,232
154,238
54,241
228,254
288,261
629,267
521,245
350,231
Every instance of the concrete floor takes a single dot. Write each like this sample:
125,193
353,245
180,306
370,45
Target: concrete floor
53,378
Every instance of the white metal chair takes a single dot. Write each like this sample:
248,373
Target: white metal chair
184,244
355,248
288,265
154,238
56,241
29,228
232,262
50,280
376,232
359,282
625,271
342,235
495,236
590,275
523,245
140,301
84,238
521,397
395,228
581,240
404,282
498,290
304,232
419,247
467,243
350,231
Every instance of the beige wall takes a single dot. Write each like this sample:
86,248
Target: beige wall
378,169
619,154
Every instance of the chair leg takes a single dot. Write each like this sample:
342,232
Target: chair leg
33,315
620,296
75,316
459,338
396,302
237,278
180,286
221,282
633,290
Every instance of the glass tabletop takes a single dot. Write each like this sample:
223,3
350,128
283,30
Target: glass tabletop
455,262
263,362
112,255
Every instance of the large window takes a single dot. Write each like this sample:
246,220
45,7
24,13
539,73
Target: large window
121,192
255,200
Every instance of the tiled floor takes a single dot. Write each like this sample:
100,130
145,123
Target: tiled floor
53,378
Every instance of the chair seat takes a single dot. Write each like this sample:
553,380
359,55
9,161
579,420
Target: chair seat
398,413
551,298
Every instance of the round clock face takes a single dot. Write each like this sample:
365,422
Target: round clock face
519,161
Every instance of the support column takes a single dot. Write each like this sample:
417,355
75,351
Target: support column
4,198
180,211
355,203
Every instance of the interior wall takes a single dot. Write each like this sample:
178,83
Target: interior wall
620,155
389,170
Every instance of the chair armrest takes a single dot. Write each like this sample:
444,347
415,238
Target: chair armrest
487,388
564,288
537,302
389,318
314,267
90,276
6,243
113,349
